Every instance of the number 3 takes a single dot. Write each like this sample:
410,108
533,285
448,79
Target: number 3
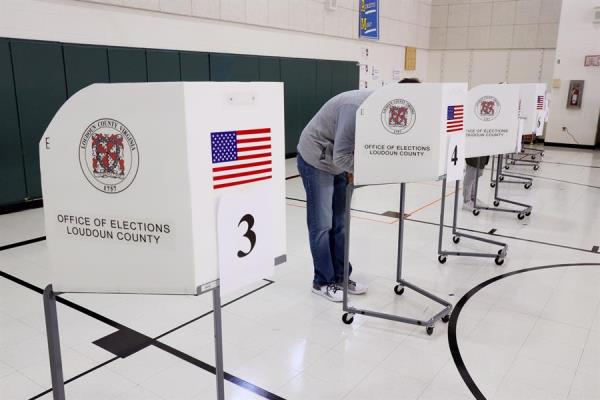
249,220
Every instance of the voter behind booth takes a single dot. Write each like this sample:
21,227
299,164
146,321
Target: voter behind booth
326,163
473,171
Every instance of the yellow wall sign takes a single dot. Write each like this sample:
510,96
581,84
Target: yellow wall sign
410,59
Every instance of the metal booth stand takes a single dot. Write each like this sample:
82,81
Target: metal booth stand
350,311
442,254
496,175
52,332
522,213
513,160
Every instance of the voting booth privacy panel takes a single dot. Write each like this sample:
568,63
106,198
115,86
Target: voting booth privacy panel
533,108
492,120
410,133
154,187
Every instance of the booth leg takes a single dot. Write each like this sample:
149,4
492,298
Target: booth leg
400,232
347,318
219,374
455,214
442,215
56,371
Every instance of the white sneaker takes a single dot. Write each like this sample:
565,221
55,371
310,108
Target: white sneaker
330,292
481,203
468,206
353,287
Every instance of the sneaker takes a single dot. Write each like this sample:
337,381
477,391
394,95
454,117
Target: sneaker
353,287
481,203
330,292
468,206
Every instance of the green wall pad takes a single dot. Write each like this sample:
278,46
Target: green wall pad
12,176
84,65
41,90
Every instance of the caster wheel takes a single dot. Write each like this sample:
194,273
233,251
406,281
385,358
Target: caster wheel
521,216
456,239
536,167
542,154
492,185
499,260
527,185
399,290
442,259
501,178
476,212
429,330
446,318
347,318
506,167
496,203
533,157
500,252
528,213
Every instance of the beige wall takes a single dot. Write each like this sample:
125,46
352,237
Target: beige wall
497,24
577,37
403,22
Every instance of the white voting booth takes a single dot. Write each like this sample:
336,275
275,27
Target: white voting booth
404,132
533,107
165,188
407,133
491,120
491,127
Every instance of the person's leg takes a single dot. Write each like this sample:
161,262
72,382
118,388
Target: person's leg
337,235
319,187
469,184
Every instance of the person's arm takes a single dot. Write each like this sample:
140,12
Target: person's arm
343,144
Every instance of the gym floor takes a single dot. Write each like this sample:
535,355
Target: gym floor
517,332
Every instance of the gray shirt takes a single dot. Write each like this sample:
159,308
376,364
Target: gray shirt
327,142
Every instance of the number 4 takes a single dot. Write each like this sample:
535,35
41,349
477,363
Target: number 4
454,157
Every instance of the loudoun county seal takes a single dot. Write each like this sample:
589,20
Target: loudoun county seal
487,108
398,116
108,155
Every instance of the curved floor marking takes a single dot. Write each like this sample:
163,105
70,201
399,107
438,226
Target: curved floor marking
452,341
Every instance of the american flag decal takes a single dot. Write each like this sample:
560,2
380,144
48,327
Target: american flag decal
241,157
454,120
540,102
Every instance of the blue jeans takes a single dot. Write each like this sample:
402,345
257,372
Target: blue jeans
326,219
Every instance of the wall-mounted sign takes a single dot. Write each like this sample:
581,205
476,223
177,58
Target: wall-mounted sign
575,94
410,59
592,61
368,19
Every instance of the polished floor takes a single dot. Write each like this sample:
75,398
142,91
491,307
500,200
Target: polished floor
532,334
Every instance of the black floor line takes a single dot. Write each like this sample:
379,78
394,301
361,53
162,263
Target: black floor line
37,396
269,282
558,180
452,326
470,230
23,243
505,236
207,367
291,177
574,165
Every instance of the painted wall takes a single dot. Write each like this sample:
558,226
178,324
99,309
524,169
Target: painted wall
289,28
577,37
491,66
493,41
494,24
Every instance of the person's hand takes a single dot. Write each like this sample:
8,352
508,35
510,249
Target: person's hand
350,177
